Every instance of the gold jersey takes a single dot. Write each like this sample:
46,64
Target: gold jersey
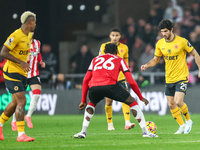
174,53
19,44
122,52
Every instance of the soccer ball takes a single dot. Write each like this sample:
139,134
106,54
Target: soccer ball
151,126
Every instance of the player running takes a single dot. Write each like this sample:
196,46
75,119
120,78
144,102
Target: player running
101,80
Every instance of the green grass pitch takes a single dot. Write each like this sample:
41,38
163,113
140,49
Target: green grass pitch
56,132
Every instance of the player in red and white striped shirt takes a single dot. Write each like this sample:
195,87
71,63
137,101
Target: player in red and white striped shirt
33,79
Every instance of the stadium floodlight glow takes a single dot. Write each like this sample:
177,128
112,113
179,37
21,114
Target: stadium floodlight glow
82,7
69,7
15,16
97,8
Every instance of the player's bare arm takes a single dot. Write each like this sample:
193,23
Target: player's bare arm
42,64
146,102
5,53
197,59
151,63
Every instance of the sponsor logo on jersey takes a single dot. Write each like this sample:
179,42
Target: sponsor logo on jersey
21,52
171,57
10,40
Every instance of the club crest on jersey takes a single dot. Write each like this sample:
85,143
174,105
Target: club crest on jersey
10,40
188,43
169,51
176,46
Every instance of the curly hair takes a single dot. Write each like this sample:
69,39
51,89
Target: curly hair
111,48
165,23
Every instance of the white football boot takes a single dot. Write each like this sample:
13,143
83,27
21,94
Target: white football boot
188,126
110,126
80,135
181,129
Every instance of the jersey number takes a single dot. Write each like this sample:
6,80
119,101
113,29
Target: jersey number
108,64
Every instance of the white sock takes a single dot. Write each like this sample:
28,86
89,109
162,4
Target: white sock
1,125
127,122
86,122
110,124
33,104
140,116
14,118
20,133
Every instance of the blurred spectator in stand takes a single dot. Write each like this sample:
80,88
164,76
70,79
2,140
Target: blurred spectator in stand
51,63
159,10
132,65
159,36
137,49
123,39
168,14
186,19
153,18
196,10
59,82
2,62
160,68
131,38
191,26
197,30
149,35
147,56
141,25
81,61
129,22
177,29
176,18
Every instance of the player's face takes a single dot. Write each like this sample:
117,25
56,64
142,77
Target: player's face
114,37
33,25
166,33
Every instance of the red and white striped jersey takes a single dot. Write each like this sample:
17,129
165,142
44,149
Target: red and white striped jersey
35,58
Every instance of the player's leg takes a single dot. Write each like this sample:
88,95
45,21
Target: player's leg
9,110
19,113
36,88
108,111
179,96
176,113
126,109
89,113
139,116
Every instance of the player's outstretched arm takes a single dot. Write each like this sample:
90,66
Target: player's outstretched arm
197,59
85,86
151,63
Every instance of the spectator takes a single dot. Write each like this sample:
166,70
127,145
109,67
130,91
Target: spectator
147,56
81,61
131,38
197,30
51,63
153,18
149,35
138,49
196,11
176,18
159,10
141,25
129,22
187,17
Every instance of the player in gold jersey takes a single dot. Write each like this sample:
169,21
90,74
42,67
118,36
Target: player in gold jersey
174,49
122,52
15,50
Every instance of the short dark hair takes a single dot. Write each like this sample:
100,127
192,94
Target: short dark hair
115,29
111,48
165,23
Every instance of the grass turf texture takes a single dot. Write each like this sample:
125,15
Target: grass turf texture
56,132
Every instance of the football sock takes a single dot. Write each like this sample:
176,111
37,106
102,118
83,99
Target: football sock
140,118
87,118
176,113
108,110
33,104
20,127
3,119
126,111
14,118
185,112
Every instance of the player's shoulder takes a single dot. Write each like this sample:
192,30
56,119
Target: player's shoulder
180,38
17,33
104,44
161,41
122,46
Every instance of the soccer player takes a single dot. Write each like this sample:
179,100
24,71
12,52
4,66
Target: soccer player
33,79
15,50
102,81
174,49
123,53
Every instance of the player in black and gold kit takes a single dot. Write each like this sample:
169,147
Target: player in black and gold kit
174,49
123,53
15,50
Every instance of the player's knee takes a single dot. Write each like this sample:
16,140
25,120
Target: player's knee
109,101
172,105
90,109
129,100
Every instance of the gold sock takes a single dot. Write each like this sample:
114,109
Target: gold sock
176,113
126,111
20,126
185,112
108,110
4,118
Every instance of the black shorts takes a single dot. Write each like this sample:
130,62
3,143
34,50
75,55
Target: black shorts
116,92
34,80
123,84
18,85
180,86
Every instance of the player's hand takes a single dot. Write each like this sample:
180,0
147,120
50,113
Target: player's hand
199,74
25,66
42,64
145,101
82,105
143,67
